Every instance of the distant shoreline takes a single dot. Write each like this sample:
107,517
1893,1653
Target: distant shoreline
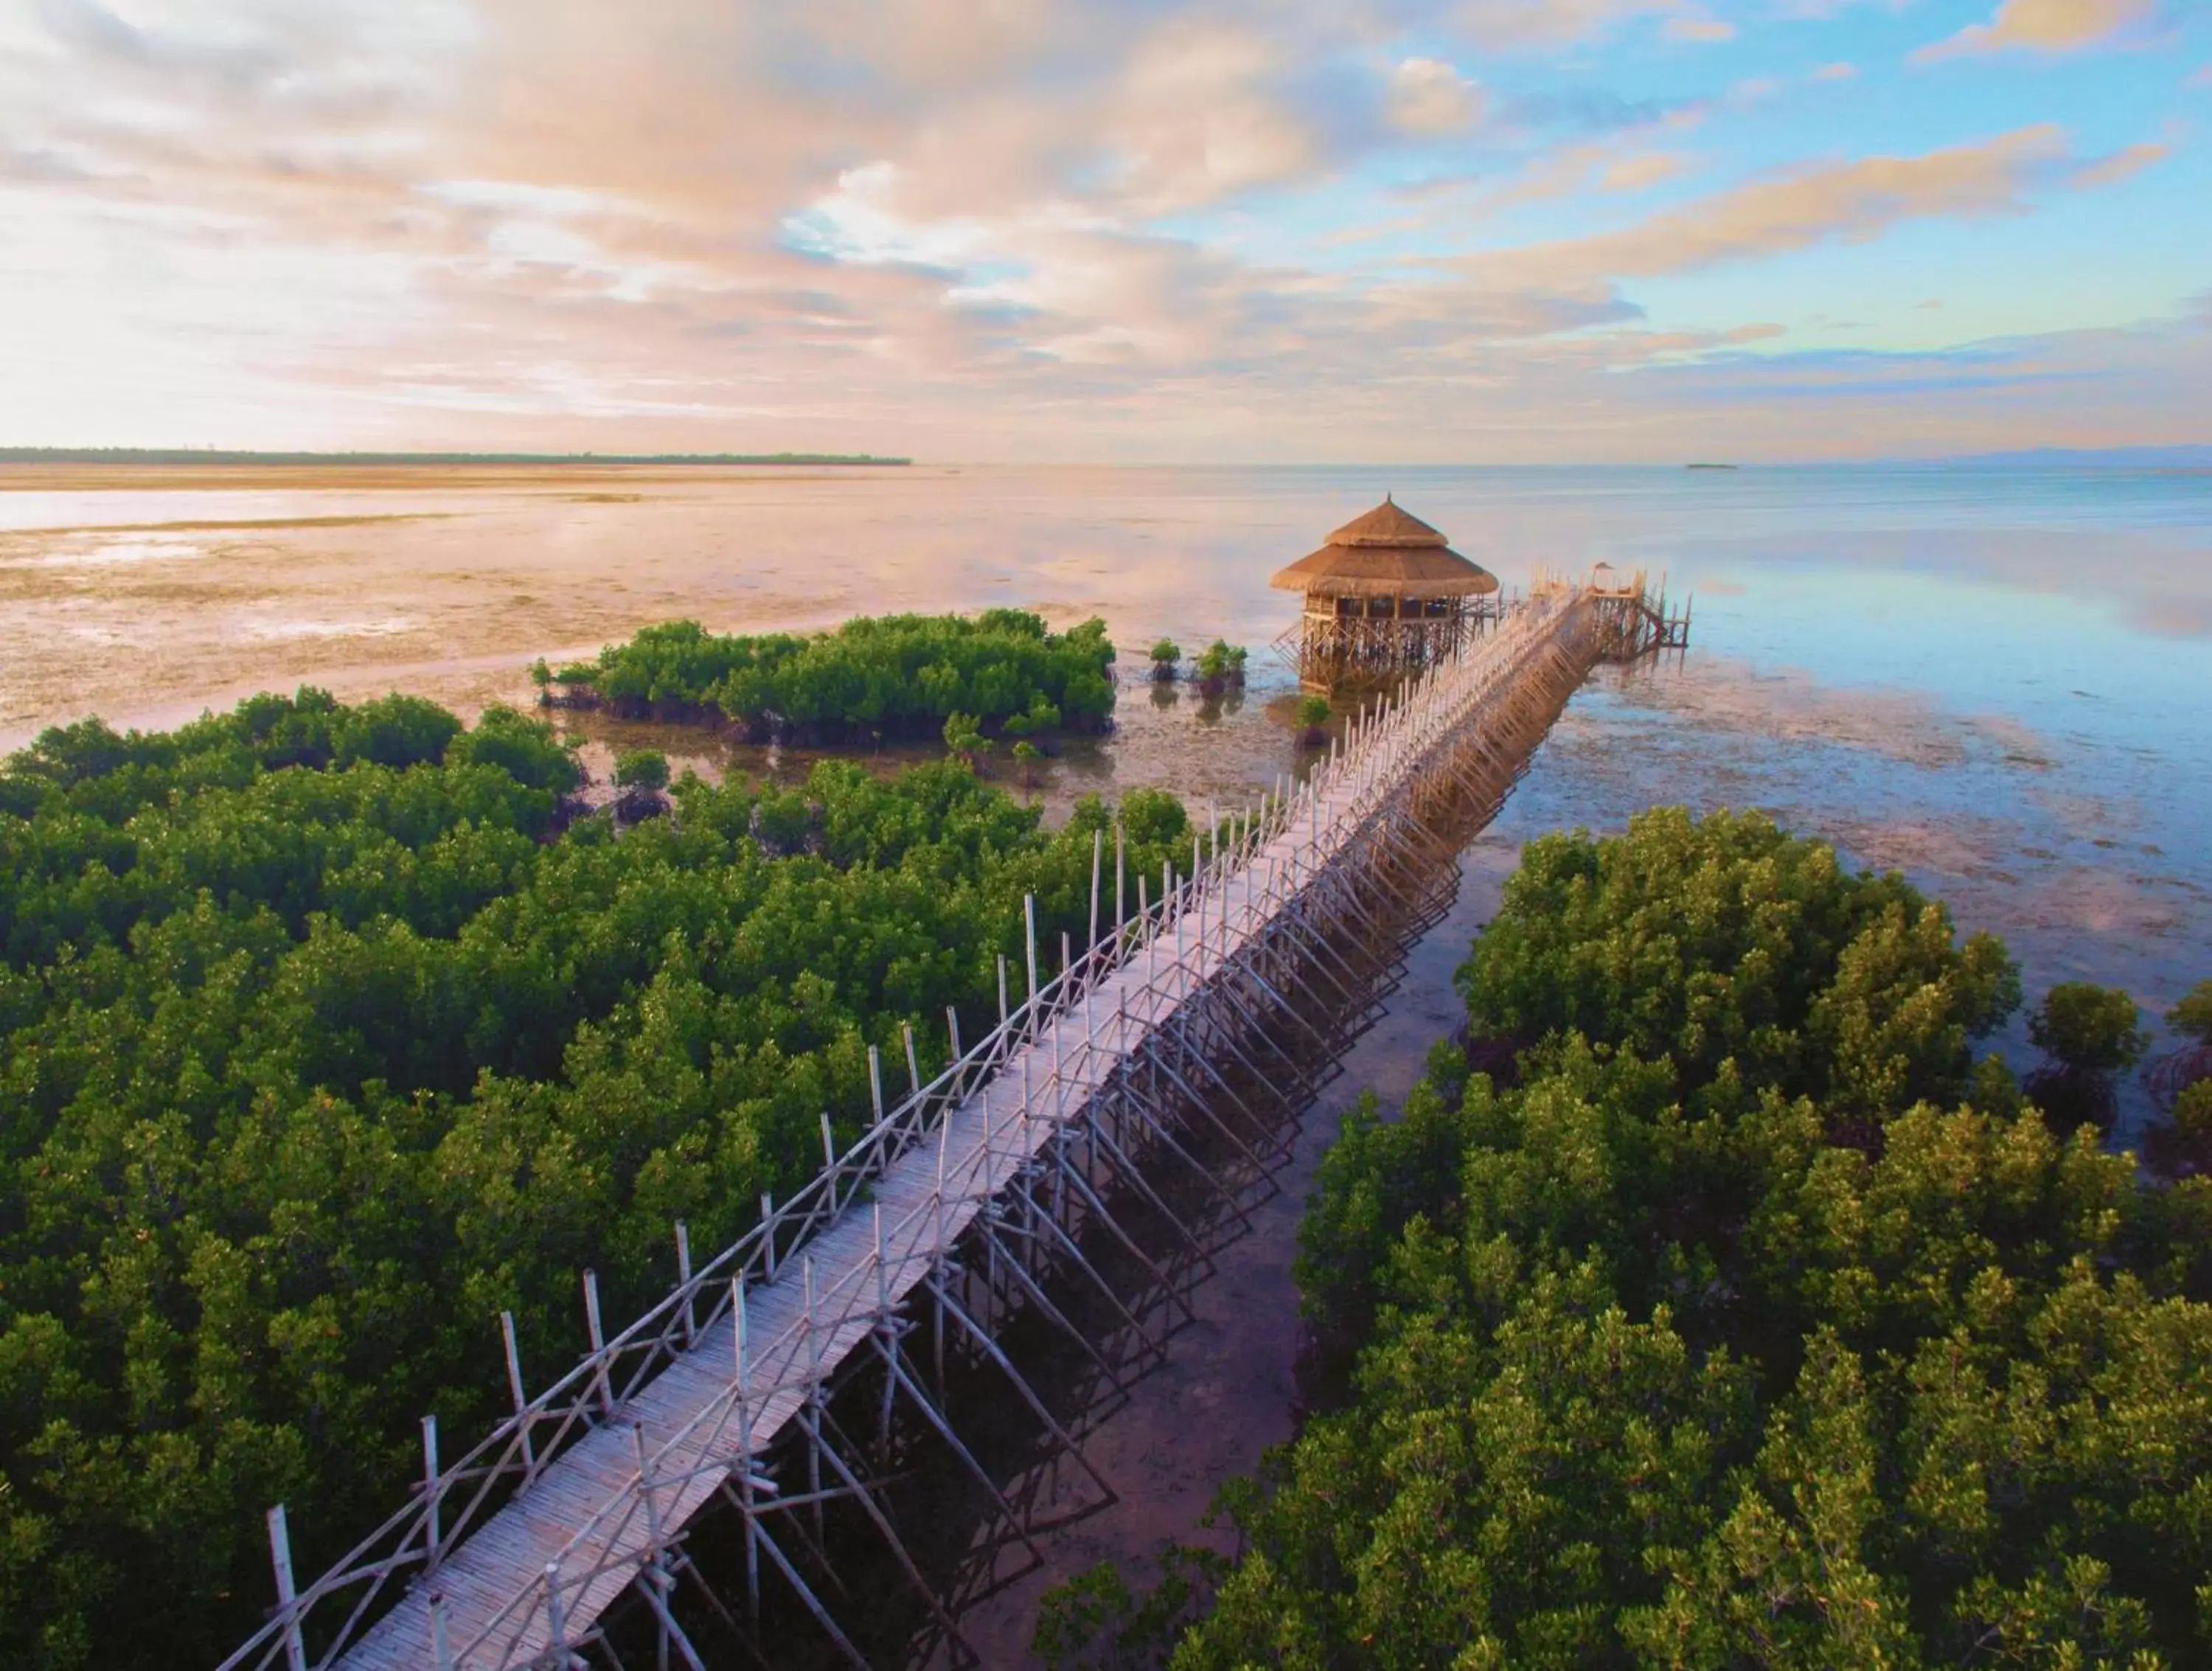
168,457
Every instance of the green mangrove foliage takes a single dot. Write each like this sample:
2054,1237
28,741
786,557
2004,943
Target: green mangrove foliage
1218,666
1740,1317
320,1048
887,676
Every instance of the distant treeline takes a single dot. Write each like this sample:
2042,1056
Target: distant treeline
190,455
886,676
320,1048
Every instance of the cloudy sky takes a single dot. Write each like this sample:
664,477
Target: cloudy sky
1450,230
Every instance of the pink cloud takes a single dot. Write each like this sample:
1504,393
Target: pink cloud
2049,26
1699,30
1519,24
908,225
1635,173
1839,202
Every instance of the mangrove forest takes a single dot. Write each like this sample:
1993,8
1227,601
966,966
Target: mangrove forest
331,1032
1710,1302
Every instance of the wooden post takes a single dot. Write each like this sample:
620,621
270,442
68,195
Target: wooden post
767,1229
744,1470
1119,858
1002,989
514,1386
1029,927
913,1063
875,1083
645,1488
1097,856
598,1342
556,1624
431,1500
683,1280
280,1558
883,1274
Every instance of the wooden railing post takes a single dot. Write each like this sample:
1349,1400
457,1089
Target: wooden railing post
280,1558
1097,860
431,1500
514,1386
556,1624
1028,924
683,1280
599,1343
1120,864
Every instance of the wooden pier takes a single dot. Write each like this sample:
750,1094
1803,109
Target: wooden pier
1198,996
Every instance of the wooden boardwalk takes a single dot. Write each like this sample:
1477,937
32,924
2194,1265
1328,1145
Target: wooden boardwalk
508,1557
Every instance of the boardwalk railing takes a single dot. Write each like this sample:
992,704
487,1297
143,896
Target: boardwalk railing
506,1555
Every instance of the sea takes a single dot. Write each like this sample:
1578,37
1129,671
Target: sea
1995,680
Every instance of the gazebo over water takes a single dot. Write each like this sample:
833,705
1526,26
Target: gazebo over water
1387,596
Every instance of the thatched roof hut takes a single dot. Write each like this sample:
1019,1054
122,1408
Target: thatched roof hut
1387,553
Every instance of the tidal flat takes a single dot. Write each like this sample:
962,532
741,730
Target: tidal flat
1989,678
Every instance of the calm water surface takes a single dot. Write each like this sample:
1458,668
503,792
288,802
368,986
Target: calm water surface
1994,680
1997,682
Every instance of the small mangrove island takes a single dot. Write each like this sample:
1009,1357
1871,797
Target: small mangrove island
876,679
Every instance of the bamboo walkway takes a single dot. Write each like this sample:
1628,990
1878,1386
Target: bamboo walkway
510,1556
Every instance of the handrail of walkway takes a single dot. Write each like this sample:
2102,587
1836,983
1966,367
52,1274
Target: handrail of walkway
1293,833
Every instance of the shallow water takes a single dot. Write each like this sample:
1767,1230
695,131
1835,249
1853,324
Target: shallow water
1995,681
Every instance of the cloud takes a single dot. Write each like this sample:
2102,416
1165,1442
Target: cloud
1195,120
989,227
2050,26
1524,25
1839,202
1835,72
1694,29
2203,78
2119,166
1634,174
1429,98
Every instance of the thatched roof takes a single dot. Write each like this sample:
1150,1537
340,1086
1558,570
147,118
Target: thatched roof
1387,553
